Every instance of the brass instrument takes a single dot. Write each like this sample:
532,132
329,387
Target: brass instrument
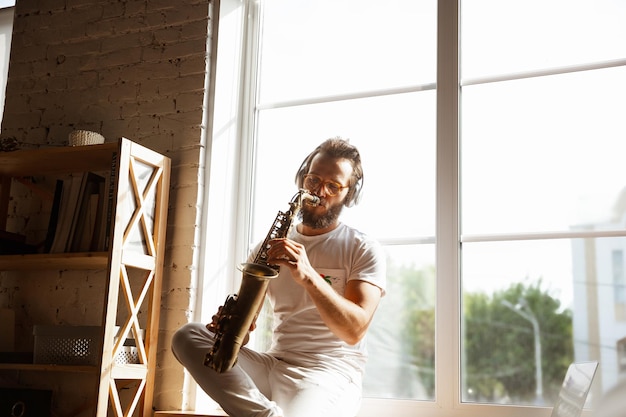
239,310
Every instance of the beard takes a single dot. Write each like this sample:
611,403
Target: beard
316,221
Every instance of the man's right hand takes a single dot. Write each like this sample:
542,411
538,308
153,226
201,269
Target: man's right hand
212,327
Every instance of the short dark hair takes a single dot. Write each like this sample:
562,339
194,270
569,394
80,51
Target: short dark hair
340,149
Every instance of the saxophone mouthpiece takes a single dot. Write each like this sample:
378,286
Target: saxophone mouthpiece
311,199
305,196
314,200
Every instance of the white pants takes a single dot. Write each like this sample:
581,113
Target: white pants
260,385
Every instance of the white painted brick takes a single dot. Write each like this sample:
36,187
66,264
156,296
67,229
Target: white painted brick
132,69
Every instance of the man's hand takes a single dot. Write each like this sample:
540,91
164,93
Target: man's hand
212,327
293,255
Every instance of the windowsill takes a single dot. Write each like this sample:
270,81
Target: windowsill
217,413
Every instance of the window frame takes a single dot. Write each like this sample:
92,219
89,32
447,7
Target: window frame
448,401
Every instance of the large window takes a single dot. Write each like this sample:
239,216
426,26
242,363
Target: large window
492,139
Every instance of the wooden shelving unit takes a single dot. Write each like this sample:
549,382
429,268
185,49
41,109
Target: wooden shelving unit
136,251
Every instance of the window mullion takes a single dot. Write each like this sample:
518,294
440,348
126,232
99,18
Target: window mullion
448,341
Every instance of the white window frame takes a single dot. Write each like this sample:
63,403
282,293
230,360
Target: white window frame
236,75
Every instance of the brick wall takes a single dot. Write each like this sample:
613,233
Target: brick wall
131,68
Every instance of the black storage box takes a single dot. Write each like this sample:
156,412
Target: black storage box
20,402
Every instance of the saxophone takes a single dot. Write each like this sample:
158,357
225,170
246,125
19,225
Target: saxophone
239,310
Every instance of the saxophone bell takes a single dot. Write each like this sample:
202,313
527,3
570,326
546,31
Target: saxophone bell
238,314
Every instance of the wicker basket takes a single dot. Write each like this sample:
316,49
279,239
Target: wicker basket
129,352
84,137
67,345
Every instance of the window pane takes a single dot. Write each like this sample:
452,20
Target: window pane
544,153
506,36
570,287
313,48
401,340
399,143
396,138
322,48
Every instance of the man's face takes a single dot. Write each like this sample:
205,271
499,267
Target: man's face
327,172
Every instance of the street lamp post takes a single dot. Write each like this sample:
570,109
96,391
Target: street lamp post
522,309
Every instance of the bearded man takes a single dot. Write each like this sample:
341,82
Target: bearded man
331,280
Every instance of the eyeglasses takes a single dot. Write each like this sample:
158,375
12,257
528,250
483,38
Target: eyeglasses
313,182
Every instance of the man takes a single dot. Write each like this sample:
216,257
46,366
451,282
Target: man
330,283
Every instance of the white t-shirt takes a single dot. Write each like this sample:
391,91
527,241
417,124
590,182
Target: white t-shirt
341,255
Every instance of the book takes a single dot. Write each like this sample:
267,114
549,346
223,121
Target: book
83,241
54,216
75,212
85,214
97,240
67,207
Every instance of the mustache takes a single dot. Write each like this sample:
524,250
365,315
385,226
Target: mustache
320,221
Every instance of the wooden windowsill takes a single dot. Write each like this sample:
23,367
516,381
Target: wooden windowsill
216,413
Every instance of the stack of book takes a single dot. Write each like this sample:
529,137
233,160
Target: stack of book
79,217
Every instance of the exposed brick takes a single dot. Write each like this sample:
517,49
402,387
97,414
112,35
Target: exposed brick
193,65
135,7
188,101
183,15
17,120
128,69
